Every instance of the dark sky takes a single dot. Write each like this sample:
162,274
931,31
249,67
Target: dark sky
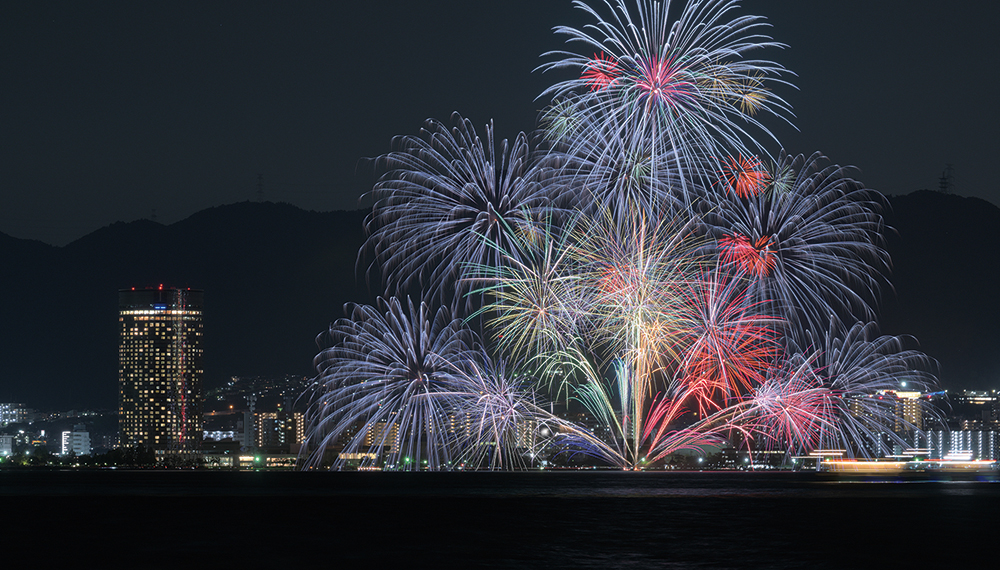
110,110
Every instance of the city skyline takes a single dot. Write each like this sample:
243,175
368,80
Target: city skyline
839,227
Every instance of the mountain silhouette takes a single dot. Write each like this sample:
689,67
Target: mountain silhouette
945,271
276,276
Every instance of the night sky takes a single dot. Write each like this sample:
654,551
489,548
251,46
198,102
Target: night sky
114,110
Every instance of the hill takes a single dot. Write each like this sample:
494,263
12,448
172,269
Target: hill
275,276
945,271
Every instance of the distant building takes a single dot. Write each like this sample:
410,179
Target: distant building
220,435
280,429
382,434
6,445
890,419
39,439
905,408
974,410
160,368
970,444
76,442
12,414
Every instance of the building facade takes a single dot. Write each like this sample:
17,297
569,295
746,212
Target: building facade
280,429
6,445
76,442
964,444
160,368
12,413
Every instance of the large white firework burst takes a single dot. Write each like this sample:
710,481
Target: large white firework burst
387,386
810,249
683,86
449,198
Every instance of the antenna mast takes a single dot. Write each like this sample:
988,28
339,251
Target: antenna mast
947,179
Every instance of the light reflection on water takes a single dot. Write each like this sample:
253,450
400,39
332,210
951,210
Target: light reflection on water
521,520
566,484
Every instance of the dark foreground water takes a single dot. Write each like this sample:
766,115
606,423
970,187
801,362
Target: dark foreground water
194,519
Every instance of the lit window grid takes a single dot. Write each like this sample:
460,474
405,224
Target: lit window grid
160,378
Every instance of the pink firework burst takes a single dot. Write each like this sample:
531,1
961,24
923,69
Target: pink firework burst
756,258
661,82
792,409
601,72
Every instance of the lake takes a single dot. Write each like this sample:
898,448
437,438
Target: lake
566,519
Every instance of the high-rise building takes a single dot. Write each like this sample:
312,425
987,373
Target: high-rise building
906,409
6,445
965,444
160,368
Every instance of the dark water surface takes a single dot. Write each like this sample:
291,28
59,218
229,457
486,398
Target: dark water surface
175,519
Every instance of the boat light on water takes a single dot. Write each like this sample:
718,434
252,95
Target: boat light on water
882,467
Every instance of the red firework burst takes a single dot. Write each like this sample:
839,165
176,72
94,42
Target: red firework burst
755,258
601,72
746,176
729,346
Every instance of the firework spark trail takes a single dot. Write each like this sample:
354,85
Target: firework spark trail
618,437
499,422
646,266
791,410
602,169
839,393
755,259
601,72
534,306
862,368
634,269
730,345
614,297
745,176
641,303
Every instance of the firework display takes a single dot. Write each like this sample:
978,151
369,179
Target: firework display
647,281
